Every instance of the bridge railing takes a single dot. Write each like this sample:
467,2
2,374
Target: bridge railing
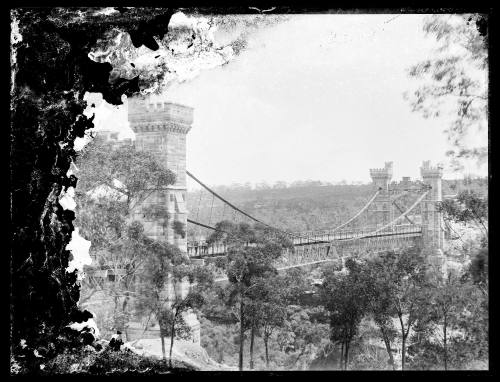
201,248
354,233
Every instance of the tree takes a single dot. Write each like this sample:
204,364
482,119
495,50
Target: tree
344,297
109,200
402,291
468,208
251,252
447,300
163,293
473,322
201,279
478,270
275,295
456,79
453,335
217,339
273,317
379,297
266,310
303,334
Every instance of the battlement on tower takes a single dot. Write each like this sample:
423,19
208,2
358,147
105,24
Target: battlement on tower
145,116
385,172
427,171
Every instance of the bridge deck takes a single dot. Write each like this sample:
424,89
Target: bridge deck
200,249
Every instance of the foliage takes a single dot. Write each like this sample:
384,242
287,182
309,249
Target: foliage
456,79
107,361
478,270
468,208
304,334
179,228
251,252
455,333
345,298
109,200
405,275
448,300
266,309
133,175
218,339
161,292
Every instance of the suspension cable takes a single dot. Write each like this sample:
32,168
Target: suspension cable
234,207
417,202
359,212
401,210
203,225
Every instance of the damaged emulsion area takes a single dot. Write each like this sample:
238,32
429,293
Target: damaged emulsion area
51,73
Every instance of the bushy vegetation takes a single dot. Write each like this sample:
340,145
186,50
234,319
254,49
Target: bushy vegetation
107,361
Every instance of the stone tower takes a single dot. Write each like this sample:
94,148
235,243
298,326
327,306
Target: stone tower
381,207
432,218
160,129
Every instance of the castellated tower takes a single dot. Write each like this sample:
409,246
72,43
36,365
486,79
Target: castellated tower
160,129
381,207
432,218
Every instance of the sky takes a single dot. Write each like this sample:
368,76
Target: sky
317,97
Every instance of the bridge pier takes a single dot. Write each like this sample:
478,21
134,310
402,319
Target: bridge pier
160,129
381,207
432,217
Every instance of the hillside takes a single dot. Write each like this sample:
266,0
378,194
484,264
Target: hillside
311,206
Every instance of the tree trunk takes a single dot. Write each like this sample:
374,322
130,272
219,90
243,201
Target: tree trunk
346,355
242,335
172,336
341,359
252,337
163,346
116,322
445,344
403,351
266,340
388,348
124,308
220,349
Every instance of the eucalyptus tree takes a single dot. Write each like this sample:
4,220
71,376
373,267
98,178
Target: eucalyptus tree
403,292
162,294
114,182
345,299
454,80
251,252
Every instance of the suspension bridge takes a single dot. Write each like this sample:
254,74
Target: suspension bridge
396,215
384,222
